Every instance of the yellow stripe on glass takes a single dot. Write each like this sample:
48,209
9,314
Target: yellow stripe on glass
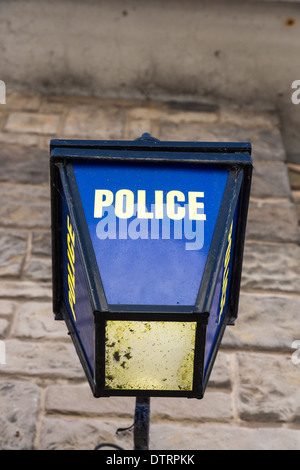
156,355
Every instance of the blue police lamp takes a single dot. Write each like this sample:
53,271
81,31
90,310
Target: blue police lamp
148,240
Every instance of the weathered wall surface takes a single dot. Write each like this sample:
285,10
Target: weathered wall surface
252,401
246,52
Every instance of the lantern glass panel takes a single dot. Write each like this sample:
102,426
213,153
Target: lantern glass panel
155,355
129,248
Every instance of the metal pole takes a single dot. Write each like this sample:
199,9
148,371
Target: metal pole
141,423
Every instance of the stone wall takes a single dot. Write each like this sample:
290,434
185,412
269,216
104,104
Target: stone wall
252,401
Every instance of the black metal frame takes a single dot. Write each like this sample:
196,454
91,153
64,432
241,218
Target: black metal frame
235,156
156,315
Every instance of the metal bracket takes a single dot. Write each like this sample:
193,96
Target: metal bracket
141,423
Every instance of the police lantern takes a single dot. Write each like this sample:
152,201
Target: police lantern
148,240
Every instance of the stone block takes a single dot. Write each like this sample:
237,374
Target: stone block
169,114
214,406
28,289
272,221
246,117
48,359
35,320
22,101
16,138
41,243
24,206
12,252
79,400
94,123
7,308
39,269
270,179
83,434
265,322
180,436
269,388
19,404
21,165
271,267
36,123
220,376
3,327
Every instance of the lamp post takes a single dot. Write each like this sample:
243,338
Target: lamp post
148,241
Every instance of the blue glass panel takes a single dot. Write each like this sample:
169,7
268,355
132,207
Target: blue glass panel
74,287
221,295
147,257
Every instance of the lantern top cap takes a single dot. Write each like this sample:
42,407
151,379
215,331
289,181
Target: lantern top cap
149,149
146,140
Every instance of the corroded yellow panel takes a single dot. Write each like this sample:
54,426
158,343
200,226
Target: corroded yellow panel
154,355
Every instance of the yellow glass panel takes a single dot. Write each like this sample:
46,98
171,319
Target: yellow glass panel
154,355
